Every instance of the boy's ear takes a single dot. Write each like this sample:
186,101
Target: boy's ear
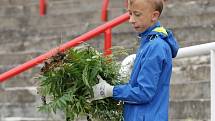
155,16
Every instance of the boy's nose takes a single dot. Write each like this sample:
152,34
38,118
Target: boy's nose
131,20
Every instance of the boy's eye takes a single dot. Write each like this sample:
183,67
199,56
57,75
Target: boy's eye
137,14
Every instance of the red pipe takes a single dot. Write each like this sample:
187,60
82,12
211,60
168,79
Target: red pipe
72,43
42,7
108,42
104,10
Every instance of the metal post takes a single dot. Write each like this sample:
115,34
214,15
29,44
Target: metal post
42,7
108,42
104,10
212,85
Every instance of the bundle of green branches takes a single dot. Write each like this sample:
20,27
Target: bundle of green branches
66,81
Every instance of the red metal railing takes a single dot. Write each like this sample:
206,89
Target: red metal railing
108,42
42,7
105,28
104,10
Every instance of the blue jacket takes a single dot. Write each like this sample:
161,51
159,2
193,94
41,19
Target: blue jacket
146,95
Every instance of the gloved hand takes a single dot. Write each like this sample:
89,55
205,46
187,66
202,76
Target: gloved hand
102,89
127,66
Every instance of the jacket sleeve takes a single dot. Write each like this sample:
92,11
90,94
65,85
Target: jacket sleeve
147,80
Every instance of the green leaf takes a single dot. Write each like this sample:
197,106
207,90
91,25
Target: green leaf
85,76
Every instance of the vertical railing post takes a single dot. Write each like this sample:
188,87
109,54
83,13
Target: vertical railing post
212,85
104,10
107,42
42,7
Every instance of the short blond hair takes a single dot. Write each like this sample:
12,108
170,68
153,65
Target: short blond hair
157,4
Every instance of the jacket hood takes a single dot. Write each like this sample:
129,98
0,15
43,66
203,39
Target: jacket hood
166,35
171,40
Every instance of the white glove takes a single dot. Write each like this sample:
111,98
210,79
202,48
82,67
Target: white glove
127,66
102,89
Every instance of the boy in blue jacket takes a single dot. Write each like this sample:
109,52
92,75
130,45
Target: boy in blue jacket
146,95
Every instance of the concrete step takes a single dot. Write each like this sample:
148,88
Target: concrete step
18,58
191,69
21,80
188,8
188,21
38,119
57,7
24,38
21,102
26,119
61,7
196,60
188,119
190,109
22,110
25,79
89,16
76,2
18,95
190,91
17,2
119,39
190,36
186,1
190,73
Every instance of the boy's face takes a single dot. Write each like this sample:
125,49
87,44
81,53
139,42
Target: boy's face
142,14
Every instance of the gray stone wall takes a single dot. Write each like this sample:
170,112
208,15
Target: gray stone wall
25,35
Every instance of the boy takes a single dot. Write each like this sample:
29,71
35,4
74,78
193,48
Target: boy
146,95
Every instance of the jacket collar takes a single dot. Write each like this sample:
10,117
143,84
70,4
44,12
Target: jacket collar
147,31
